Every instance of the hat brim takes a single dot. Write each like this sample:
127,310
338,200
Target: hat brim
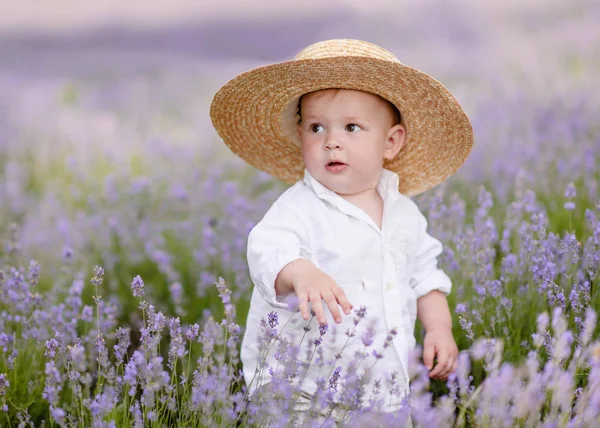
254,115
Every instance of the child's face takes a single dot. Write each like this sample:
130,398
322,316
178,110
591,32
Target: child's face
346,135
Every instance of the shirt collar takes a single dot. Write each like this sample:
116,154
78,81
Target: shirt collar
387,185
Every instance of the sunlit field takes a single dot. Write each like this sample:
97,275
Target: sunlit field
123,220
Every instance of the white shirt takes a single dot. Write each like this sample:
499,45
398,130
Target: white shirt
385,269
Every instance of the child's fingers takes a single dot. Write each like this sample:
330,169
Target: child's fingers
303,305
342,299
428,354
315,300
332,304
449,367
437,370
441,366
445,369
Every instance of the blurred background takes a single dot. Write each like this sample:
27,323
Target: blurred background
546,43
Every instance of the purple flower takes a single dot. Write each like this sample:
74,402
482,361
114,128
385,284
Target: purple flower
67,255
273,319
176,291
359,314
102,404
137,286
34,273
123,342
98,276
77,357
367,338
323,329
138,419
571,191
192,332
390,337
53,384
4,384
58,415
54,346
177,344
335,377
87,313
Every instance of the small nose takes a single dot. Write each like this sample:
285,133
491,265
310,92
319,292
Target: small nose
332,143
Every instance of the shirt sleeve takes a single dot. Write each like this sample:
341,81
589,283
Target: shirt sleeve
278,239
426,275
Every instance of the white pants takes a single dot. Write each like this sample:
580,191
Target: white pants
332,417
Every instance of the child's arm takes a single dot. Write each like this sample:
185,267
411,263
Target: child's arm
281,262
431,285
434,314
433,311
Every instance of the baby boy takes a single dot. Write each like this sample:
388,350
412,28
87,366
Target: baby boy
358,133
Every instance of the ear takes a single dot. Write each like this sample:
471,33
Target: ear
299,130
394,142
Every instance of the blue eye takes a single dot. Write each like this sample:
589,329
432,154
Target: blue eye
315,127
353,127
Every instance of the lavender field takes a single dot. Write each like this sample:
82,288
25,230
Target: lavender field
123,220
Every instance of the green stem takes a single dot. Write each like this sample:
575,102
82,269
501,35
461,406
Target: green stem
309,361
351,334
464,409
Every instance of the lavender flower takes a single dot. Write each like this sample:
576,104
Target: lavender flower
98,277
335,377
54,346
359,314
67,255
53,384
192,332
273,319
570,194
58,415
322,330
4,384
367,338
177,344
123,342
137,286
34,273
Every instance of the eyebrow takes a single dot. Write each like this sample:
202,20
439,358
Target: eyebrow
349,119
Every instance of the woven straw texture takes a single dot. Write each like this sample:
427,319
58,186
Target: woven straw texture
255,113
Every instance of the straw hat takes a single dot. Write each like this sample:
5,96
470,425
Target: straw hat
256,112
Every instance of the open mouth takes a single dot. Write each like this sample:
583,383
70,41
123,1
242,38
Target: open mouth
335,166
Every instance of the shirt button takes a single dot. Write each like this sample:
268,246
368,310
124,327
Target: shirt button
388,286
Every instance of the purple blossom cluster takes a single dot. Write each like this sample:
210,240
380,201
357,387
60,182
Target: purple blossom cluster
83,379
525,301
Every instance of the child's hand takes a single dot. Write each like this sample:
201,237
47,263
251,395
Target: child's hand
313,285
441,343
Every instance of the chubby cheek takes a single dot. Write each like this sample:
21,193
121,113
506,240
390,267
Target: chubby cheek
311,152
367,161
